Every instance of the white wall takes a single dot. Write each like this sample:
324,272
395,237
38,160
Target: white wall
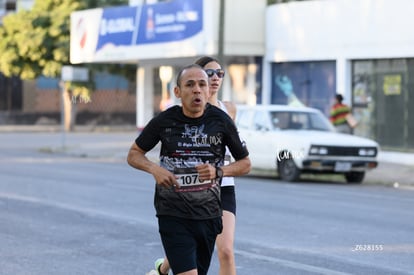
245,27
351,29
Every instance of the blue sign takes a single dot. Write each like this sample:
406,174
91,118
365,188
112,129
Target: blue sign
117,27
170,21
158,23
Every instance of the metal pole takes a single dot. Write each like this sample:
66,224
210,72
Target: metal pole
220,50
62,113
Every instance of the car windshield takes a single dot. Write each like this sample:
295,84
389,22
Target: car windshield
290,120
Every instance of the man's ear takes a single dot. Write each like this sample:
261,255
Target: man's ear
177,92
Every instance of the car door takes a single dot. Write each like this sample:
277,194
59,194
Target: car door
244,124
262,134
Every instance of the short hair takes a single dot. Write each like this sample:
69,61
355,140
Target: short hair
178,80
203,61
339,97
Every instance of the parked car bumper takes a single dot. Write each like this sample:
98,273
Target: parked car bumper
338,166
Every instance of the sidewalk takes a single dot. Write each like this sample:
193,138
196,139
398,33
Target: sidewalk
58,128
396,157
394,169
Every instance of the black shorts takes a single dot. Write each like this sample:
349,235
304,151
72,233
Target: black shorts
228,199
189,244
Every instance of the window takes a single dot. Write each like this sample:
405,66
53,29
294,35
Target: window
243,118
261,121
10,5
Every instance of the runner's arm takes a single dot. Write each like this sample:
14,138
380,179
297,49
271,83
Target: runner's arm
137,159
237,168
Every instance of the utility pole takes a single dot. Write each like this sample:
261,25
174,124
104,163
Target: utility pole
220,48
220,52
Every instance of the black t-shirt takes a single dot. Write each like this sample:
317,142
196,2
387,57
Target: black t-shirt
186,142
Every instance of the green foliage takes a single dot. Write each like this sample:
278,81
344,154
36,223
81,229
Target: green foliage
33,41
37,42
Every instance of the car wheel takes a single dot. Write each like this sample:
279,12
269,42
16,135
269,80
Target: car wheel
287,169
355,177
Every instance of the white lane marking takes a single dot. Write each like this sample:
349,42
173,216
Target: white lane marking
290,264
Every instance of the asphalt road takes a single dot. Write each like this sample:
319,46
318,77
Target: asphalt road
74,214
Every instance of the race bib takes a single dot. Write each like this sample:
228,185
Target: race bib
190,181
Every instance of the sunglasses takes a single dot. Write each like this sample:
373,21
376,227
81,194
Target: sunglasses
218,72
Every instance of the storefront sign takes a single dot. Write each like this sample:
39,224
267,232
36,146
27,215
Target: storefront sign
126,32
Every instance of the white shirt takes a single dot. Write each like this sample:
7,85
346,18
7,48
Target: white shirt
226,181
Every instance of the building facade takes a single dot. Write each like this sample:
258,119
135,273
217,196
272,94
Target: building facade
362,49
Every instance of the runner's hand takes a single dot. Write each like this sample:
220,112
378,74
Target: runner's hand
165,178
206,171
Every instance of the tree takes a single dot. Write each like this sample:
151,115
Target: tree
36,42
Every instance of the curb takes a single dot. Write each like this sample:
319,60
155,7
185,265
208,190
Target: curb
58,128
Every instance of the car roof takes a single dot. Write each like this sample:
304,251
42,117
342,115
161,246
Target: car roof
277,107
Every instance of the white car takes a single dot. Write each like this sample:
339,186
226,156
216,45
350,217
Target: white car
295,140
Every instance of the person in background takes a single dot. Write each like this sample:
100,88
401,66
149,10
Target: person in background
187,200
225,240
338,115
